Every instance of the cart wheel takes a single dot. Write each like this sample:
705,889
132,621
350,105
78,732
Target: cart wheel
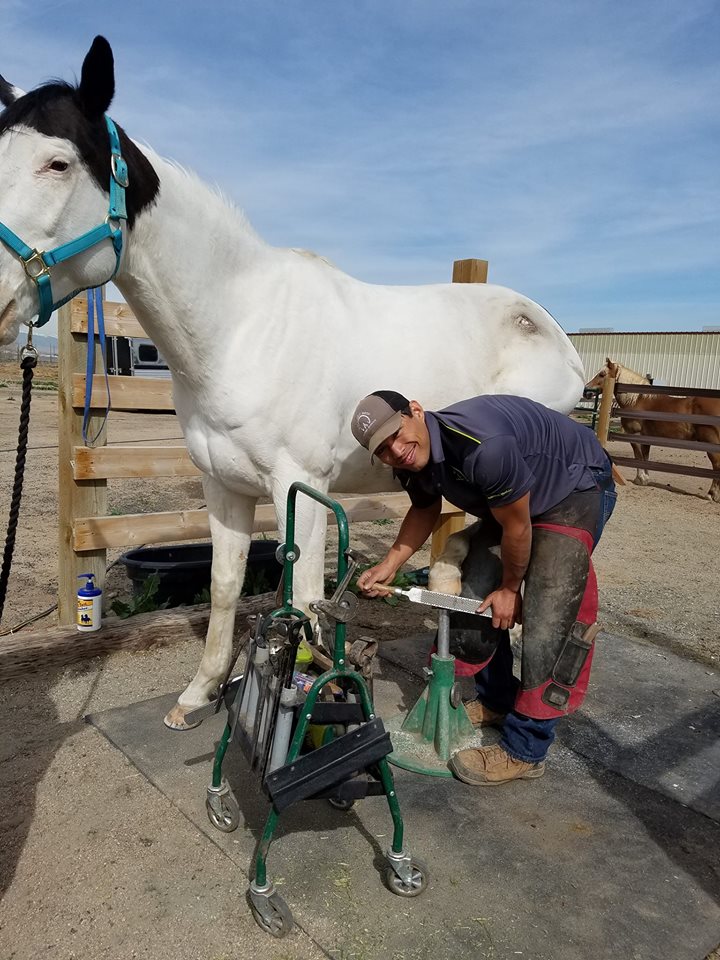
418,881
223,812
340,804
277,920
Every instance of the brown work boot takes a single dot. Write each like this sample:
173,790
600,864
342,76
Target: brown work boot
489,766
482,716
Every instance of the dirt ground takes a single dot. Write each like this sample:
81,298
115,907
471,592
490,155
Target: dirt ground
656,564
85,871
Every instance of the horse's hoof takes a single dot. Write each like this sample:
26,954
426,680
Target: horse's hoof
175,719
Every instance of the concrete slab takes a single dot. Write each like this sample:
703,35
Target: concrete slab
583,863
651,716
654,718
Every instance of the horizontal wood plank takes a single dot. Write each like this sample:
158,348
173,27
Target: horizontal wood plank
136,529
127,393
93,533
113,463
119,319
666,442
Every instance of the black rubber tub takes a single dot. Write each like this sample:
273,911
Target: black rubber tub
184,570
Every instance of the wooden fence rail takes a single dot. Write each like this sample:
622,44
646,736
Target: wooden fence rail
85,530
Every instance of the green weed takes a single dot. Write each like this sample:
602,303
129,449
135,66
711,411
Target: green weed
144,602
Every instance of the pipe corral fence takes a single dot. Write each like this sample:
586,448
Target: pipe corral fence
86,532
609,410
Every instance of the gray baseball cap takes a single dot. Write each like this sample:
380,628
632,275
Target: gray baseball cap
377,417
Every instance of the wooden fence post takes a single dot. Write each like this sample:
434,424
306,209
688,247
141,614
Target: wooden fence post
76,498
603,424
464,271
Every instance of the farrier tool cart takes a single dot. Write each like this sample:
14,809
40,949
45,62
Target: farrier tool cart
270,717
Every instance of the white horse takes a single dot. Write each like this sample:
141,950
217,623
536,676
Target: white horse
269,350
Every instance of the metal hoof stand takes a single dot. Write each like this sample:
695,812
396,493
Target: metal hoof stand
270,717
438,724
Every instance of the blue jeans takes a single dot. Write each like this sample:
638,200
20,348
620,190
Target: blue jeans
604,479
526,738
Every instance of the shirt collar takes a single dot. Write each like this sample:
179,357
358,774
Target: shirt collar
437,454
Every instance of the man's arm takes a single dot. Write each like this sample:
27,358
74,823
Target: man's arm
417,526
514,518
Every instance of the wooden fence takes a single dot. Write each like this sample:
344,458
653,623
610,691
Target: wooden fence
85,529
611,390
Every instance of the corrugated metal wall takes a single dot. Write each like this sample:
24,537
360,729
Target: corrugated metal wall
673,359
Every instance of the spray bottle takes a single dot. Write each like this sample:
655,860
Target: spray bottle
89,604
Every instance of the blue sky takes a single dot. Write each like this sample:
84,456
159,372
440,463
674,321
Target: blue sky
572,144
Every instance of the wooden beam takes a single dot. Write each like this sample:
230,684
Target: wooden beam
452,520
606,402
138,528
119,319
470,271
127,393
112,463
30,651
75,499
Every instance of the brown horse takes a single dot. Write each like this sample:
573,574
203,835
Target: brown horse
701,406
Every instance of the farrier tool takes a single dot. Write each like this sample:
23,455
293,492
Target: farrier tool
441,601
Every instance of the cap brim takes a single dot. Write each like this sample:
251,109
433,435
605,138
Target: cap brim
390,427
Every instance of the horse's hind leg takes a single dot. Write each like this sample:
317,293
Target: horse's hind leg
714,491
641,451
231,523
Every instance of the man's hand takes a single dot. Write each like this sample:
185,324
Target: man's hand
370,581
506,607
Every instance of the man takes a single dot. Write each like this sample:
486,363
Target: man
542,487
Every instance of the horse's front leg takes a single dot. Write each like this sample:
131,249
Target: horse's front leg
310,531
641,451
231,524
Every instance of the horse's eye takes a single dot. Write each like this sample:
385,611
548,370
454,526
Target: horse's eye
59,166
525,323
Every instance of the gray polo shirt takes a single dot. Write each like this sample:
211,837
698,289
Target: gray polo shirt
490,450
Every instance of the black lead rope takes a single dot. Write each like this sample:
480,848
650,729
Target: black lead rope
28,363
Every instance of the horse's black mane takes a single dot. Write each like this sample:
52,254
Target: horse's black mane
32,109
55,110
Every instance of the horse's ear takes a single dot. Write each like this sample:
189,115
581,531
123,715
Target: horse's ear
608,361
97,80
8,93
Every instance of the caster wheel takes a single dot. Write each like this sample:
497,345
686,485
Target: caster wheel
223,812
275,917
339,804
418,880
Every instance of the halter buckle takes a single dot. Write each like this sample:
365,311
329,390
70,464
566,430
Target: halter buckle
36,260
119,170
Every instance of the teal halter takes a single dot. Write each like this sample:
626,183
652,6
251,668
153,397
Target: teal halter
37,263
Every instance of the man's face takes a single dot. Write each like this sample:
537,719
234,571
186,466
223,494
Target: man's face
409,448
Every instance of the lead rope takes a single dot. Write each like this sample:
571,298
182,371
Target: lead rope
28,362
